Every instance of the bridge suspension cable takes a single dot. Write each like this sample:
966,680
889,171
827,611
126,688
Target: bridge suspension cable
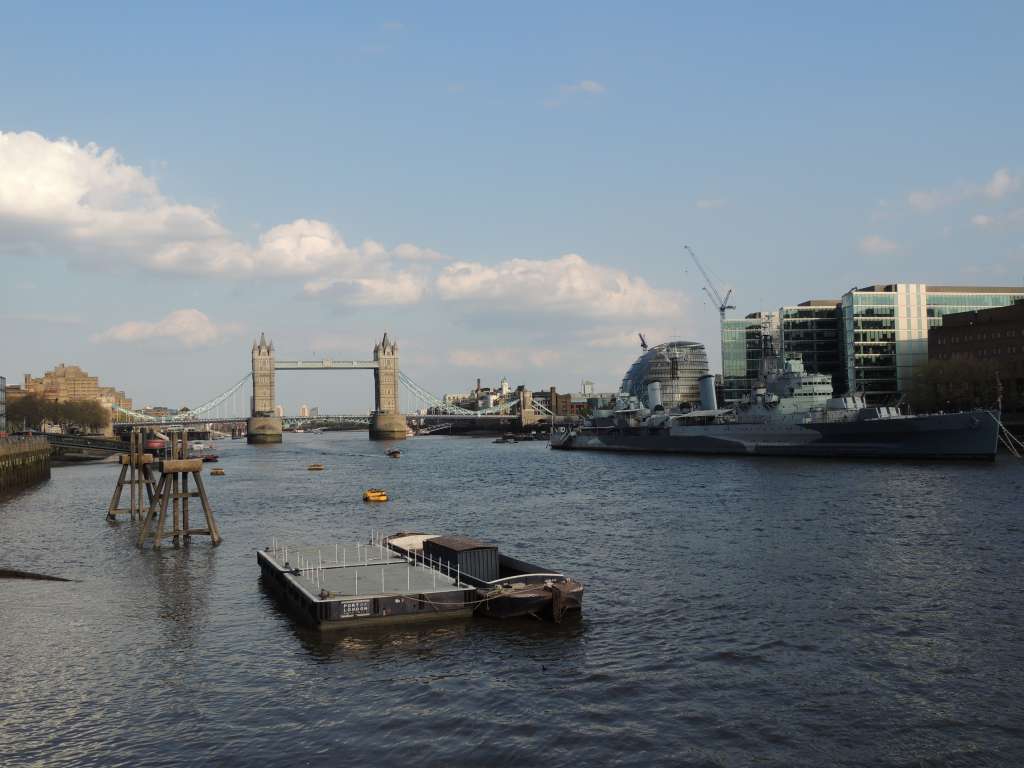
194,413
430,400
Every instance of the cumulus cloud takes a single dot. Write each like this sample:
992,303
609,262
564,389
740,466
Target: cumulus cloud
1001,184
1009,219
188,327
398,288
84,195
87,203
566,285
875,245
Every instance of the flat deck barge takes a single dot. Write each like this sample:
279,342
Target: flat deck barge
340,585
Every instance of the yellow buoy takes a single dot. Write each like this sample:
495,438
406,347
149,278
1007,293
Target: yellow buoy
375,494
217,471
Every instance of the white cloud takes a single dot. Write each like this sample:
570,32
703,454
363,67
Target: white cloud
1002,183
982,220
398,288
716,202
585,86
188,327
410,252
588,87
567,285
875,245
85,202
82,195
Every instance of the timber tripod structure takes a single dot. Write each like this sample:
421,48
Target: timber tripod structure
137,476
173,494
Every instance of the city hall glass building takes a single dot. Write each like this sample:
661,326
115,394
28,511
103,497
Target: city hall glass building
676,365
885,330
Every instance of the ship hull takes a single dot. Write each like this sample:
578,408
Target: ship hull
971,435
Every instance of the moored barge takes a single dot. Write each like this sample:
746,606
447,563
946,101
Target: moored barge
345,585
505,587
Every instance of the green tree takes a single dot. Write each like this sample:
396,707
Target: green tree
27,412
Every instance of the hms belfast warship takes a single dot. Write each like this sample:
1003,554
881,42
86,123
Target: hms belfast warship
789,412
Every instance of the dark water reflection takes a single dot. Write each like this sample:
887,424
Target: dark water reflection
738,612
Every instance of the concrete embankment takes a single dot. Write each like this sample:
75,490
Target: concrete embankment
24,461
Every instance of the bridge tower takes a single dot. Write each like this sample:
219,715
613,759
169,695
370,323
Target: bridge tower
264,426
387,423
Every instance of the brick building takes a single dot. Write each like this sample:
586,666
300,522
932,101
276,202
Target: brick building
992,335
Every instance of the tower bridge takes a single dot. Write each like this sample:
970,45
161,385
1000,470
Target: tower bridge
386,421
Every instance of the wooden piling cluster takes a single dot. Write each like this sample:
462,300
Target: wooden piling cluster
170,494
23,462
136,475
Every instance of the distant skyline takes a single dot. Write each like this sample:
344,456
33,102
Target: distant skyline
505,190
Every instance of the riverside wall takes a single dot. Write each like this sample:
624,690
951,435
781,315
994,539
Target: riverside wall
24,461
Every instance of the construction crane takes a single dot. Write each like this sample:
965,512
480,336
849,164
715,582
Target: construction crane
643,342
709,288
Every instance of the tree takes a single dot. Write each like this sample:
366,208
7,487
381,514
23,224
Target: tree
28,411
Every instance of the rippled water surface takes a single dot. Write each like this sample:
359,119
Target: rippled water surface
737,612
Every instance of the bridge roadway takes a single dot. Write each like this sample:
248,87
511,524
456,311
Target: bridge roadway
433,417
325,365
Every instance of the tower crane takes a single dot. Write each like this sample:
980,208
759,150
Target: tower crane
709,287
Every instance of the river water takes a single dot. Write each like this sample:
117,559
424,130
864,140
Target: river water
737,612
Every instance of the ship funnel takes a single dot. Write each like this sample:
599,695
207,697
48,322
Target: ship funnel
708,401
654,396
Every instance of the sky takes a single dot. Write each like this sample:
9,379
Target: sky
505,190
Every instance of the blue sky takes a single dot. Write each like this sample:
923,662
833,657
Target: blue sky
506,190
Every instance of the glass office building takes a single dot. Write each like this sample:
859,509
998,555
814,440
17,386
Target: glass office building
812,329
741,351
676,365
885,330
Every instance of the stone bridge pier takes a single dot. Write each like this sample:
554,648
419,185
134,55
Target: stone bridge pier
387,423
264,425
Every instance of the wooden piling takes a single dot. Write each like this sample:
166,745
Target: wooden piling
174,487
137,476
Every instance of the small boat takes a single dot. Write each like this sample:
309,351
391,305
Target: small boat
217,471
506,439
315,467
375,494
506,587
208,457
154,444
394,453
